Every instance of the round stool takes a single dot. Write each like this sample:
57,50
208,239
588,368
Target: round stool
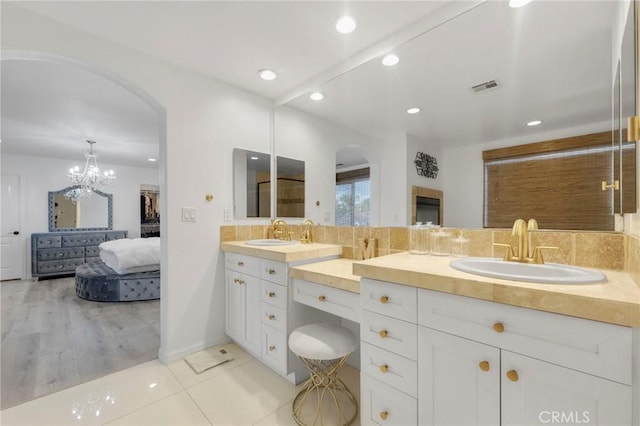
323,349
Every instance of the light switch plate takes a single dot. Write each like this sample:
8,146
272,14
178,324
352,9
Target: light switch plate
227,214
189,214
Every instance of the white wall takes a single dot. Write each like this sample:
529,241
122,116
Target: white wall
463,176
39,175
314,140
204,121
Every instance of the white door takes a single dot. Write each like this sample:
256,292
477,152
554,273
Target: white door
11,241
234,301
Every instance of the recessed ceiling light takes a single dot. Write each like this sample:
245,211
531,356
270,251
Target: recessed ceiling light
518,3
267,74
253,158
390,60
534,123
345,24
413,110
317,96
153,160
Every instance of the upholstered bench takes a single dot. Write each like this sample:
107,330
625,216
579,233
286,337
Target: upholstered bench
96,281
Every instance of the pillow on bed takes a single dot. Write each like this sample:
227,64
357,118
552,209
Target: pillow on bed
128,255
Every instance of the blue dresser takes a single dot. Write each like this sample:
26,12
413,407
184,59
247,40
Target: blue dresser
59,253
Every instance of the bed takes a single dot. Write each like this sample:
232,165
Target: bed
128,270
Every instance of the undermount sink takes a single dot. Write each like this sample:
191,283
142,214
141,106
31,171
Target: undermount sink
270,242
548,273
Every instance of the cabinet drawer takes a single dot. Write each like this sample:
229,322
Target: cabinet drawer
274,294
76,240
245,264
273,316
59,266
590,346
390,368
45,241
60,253
92,251
274,347
339,302
394,300
384,405
389,333
273,271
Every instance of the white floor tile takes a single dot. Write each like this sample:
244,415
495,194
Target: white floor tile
176,410
187,377
98,401
242,396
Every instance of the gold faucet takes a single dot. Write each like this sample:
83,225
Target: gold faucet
306,237
280,230
522,252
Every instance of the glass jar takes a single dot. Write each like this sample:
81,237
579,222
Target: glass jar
441,243
419,239
460,246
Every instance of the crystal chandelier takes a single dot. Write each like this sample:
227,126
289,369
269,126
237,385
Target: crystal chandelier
91,179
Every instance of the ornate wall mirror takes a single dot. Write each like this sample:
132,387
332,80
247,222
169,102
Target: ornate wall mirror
251,184
290,187
93,213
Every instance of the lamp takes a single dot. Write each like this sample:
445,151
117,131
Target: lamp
90,179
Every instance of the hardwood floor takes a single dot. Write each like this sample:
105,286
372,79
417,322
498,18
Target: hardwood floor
52,339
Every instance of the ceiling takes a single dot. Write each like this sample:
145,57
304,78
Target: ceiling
46,107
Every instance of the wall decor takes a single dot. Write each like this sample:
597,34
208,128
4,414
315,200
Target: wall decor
426,165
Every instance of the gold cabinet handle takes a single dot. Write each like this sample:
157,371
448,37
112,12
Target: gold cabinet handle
498,327
238,281
272,294
512,375
384,299
272,348
271,271
240,263
384,368
484,365
321,298
383,333
384,415
271,317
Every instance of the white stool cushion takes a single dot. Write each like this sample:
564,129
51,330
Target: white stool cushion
322,341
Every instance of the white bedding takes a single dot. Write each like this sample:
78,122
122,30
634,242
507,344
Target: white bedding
127,256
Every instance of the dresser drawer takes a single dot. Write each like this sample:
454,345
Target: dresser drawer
390,368
394,300
59,266
274,294
75,240
245,264
274,348
60,253
273,316
339,302
46,241
389,333
92,251
383,405
273,271
593,347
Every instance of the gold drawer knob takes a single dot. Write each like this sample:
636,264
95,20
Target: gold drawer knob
272,294
271,271
512,375
383,333
484,365
384,415
498,327
384,299
240,263
322,298
384,368
272,348
271,317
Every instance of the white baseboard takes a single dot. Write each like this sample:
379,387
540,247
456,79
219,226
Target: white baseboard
177,354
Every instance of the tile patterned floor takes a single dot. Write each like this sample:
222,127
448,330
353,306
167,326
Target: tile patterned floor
240,392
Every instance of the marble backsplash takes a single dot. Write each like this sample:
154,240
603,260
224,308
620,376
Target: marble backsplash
603,250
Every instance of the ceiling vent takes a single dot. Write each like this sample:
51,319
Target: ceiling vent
486,86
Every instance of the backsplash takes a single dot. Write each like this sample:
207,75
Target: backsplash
603,250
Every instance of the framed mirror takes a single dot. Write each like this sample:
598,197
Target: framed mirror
93,213
290,187
251,184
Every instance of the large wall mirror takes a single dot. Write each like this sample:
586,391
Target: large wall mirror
551,61
251,184
92,213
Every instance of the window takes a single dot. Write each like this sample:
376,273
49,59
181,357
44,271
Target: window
353,195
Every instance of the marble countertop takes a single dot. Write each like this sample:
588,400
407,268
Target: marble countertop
336,273
617,301
289,253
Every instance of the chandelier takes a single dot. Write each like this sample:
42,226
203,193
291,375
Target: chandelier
90,180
